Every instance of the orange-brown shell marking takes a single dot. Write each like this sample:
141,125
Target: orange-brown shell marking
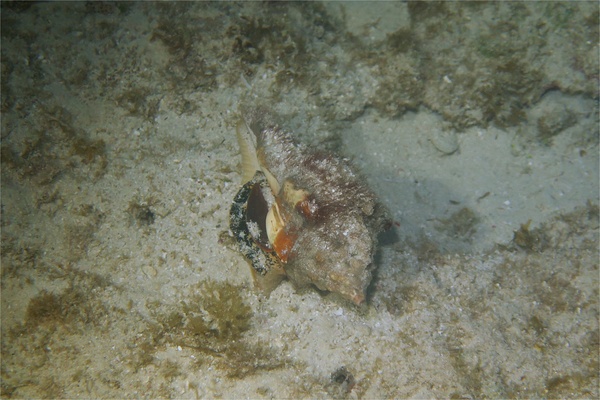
283,244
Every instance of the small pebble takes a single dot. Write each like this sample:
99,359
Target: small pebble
445,142
149,271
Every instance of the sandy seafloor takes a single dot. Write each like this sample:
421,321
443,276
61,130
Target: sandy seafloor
475,124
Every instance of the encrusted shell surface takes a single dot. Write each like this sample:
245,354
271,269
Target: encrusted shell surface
322,222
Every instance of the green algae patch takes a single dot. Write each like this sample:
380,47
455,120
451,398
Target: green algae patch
216,314
212,323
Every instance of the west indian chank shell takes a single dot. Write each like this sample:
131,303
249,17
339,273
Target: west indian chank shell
303,214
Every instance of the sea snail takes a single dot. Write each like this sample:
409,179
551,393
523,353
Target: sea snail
302,214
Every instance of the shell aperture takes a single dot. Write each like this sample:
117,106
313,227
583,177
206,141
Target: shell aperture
262,258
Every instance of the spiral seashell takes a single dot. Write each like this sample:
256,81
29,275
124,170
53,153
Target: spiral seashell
301,214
